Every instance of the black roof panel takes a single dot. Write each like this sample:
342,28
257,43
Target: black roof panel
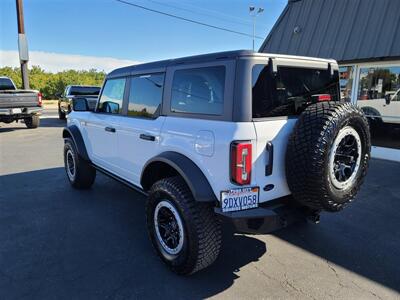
185,60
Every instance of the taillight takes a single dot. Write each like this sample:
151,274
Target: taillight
323,97
241,162
39,99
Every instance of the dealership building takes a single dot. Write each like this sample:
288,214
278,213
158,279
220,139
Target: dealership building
364,37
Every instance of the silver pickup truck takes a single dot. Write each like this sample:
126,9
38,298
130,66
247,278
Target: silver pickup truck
18,104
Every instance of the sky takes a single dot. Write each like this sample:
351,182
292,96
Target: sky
105,34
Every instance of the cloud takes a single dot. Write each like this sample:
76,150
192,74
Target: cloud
54,62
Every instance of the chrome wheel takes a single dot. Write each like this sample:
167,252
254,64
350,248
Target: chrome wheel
345,158
169,227
70,165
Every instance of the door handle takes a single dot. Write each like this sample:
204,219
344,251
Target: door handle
109,129
147,137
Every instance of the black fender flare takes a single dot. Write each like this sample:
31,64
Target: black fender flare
73,132
188,170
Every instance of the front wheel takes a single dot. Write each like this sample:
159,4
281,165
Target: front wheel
186,234
80,173
61,114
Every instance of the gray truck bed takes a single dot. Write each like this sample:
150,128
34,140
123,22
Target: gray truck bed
18,99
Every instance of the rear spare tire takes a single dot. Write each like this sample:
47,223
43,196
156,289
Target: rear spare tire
327,155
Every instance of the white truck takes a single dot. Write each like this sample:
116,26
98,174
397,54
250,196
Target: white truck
259,139
383,110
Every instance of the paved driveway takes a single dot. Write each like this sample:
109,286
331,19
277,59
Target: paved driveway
59,243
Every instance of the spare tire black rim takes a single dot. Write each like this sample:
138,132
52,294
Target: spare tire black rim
169,227
70,165
345,158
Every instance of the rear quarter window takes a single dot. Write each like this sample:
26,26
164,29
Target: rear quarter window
290,90
198,90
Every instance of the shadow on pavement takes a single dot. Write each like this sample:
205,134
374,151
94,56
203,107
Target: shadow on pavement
57,242
365,237
52,122
44,122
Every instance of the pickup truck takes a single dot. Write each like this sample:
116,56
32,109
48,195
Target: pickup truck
65,102
18,104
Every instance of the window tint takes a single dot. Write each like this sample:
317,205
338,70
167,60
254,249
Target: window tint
84,90
199,91
290,90
145,95
112,96
6,84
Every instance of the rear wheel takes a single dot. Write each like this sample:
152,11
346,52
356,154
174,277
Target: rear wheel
61,114
186,234
32,122
80,173
327,155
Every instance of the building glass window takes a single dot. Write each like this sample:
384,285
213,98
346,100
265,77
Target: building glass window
378,96
346,82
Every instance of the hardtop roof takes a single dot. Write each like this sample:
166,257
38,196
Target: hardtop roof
124,71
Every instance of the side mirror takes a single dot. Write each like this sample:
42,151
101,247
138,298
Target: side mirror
388,99
110,107
58,95
80,104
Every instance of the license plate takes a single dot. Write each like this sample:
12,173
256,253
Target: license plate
16,111
239,199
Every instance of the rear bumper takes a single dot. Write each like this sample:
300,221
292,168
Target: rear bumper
20,111
270,217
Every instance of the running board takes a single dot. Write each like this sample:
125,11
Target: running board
119,179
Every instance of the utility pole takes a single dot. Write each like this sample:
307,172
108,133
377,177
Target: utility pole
254,13
22,45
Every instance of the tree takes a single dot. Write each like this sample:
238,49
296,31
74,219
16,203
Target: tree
49,84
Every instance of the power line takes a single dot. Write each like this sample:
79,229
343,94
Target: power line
188,20
248,22
224,18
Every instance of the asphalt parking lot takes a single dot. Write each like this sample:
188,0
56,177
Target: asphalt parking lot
60,243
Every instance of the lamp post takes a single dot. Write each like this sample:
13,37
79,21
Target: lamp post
254,12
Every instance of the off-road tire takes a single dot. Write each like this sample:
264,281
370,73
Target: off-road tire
61,114
32,122
308,154
84,173
201,227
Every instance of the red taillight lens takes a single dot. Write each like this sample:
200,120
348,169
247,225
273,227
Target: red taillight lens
40,99
324,97
241,162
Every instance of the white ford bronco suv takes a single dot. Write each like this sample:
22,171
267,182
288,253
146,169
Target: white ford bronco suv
261,139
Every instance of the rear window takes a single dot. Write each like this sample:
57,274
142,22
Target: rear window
84,90
199,91
6,84
290,90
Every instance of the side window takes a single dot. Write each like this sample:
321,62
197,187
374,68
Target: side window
199,91
112,96
145,95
